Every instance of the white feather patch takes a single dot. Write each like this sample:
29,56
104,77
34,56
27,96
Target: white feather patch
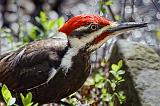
67,59
73,51
52,74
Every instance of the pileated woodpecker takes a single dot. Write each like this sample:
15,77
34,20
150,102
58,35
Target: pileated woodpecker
56,67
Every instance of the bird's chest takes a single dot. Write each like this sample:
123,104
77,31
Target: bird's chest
71,75
80,68
77,74
75,63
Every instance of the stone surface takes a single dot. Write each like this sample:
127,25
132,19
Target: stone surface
142,79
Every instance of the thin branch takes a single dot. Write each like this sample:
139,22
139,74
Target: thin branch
132,6
106,48
110,10
123,11
19,17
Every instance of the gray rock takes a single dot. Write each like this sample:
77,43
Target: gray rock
142,79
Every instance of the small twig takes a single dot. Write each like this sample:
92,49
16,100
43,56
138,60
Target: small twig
18,19
96,52
106,48
110,11
132,6
0,44
155,5
123,11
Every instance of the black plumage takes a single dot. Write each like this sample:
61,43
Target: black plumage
28,69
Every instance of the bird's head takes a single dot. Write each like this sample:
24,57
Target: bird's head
91,31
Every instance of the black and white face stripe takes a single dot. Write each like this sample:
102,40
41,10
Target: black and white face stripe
84,30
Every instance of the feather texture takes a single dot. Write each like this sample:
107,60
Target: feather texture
37,68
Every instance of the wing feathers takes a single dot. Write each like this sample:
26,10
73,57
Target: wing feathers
51,74
32,65
17,58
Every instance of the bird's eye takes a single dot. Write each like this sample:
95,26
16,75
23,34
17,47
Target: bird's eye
93,27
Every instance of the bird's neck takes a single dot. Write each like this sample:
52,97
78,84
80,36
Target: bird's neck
72,52
68,61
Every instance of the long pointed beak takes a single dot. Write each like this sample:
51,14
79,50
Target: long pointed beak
123,27
109,31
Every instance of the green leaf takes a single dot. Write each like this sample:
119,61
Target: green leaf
98,78
121,97
121,94
100,85
120,64
109,3
10,38
32,33
60,21
35,104
29,104
7,30
43,17
119,78
104,90
103,62
109,81
50,24
115,67
108,97
73,101
27,101
113,73
11,101
103,10
113,85
121,72
111,103
6,94
25,39
22,98
122,80
117,17
29,97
